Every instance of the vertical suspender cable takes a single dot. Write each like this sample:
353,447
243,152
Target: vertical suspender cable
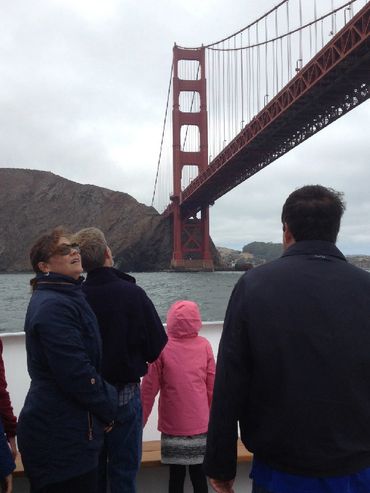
212,110
215,103
253,84
236,86
300,33
266,65
249,87
276,54
281,64
289,51
258,69
223,96
218,96
227,100
332,19
315,15
272,69
219,105
229,92
242,82
322,33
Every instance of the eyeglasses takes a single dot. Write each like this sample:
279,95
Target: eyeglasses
66,249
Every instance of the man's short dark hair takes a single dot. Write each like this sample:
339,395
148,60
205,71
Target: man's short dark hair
313,212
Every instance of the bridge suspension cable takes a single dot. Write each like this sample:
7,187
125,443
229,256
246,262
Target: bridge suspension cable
163,135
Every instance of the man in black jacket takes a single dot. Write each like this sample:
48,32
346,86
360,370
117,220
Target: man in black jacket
132,336
293,365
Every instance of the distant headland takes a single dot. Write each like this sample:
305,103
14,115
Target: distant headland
258,252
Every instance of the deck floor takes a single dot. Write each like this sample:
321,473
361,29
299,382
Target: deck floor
154,480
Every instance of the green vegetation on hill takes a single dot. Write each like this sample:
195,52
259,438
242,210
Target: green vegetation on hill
266,251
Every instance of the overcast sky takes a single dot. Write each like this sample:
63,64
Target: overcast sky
83,87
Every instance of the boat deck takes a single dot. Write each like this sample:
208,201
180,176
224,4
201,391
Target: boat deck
152,456
153,475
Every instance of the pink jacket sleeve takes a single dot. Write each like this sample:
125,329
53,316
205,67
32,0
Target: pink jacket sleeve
6,409
150,387
211,370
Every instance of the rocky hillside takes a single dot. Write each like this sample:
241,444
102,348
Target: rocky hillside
33,202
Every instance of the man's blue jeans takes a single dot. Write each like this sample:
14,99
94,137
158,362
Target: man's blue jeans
121,456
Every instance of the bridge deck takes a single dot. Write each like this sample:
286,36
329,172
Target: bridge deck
335,81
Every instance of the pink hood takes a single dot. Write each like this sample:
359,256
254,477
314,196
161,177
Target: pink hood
183,319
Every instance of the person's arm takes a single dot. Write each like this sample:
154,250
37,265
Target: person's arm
6,409
59,331
230,393
156,337
211,370
150,387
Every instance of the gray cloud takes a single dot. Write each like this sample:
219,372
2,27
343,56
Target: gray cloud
83,86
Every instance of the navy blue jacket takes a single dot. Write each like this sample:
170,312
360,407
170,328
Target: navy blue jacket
7,464
131,330
294,367
60,430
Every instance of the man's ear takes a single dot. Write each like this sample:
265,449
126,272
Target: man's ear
288,238
43,267
108,258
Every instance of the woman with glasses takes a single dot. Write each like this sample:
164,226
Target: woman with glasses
68,406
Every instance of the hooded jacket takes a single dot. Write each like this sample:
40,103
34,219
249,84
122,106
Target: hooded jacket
61,426
183,374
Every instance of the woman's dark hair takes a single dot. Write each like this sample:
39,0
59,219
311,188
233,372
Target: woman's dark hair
45,246
314,212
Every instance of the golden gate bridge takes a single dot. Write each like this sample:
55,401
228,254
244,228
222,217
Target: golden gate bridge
240,103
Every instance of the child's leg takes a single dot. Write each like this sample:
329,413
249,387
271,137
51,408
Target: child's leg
198,478
177,478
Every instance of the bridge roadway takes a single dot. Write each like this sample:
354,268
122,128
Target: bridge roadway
335,81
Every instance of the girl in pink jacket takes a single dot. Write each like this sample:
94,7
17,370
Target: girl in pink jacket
184,374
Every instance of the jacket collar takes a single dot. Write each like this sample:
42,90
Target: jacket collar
101,274
53,280
314,247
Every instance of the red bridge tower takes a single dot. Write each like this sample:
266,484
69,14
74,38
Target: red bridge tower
191,245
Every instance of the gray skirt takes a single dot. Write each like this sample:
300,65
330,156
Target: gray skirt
183,450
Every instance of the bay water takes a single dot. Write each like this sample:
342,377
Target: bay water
211,290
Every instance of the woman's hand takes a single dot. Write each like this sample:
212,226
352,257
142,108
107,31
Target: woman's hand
13,447
109,427
7,484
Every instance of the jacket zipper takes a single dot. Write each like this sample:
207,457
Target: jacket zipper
90,422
